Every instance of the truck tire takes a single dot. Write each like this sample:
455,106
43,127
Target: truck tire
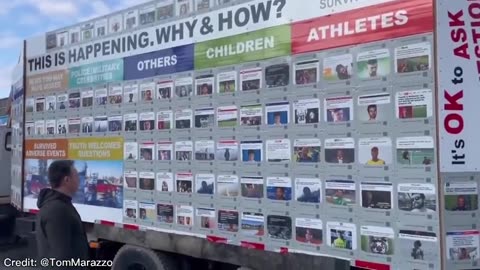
133,257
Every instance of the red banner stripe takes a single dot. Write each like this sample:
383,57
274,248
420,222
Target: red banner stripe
380,22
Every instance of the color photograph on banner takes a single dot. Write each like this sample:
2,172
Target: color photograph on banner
98,162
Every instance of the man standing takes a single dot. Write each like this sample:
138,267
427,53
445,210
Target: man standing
60,233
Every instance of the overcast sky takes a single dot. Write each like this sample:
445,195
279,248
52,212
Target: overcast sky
20,19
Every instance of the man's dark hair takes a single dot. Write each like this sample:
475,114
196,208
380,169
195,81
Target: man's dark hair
373,106
372,62
58,170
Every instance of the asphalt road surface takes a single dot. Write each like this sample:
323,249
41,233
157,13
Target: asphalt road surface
17,252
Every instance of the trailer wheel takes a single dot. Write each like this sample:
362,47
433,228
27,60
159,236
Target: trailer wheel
138,258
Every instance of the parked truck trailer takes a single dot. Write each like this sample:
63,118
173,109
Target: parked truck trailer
260,133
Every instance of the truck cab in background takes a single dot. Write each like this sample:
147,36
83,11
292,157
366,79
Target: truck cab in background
7,212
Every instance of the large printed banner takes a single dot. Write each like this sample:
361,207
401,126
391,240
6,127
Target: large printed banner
384,22
96,73
214,25
458,50
98,160
47,82
258,45
168,61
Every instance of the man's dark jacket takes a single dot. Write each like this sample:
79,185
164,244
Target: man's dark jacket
59,229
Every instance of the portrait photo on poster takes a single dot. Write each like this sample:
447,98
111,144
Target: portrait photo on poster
374,107
87,98
227,82
204,85
165,213
146,181
115,94
340,192
73,101
204,150
415,151
207,218
376,195
277,75
205,118
183,150
147,151
147,121
307,150
164,89
130,208
130,121
115,123
340,150
417,198
279,188
307,111
87,124
418,247
164,150
251,115
164,182
307,72
205,183
40,104
252,187
251,79
183,118
308,190
309,231
277,114
337,68
375,151
227,150
165,9
184,87
101,96
413,58
228,221
461,196
147,92
462,245
373,64
251,151
279,227
130,151
51,102
342,235
184,7
338,109
164,120
147,211
50,126
184,182
184,215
